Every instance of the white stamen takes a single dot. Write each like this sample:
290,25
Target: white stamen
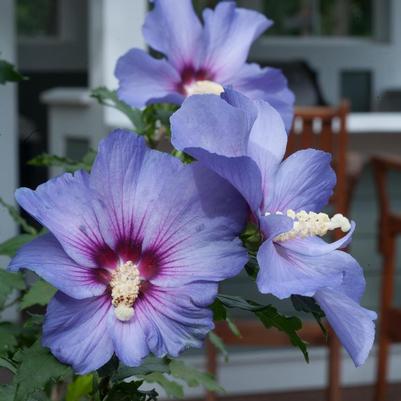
125,282
311,224
204,88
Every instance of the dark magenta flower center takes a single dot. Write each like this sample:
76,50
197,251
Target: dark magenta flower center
190,75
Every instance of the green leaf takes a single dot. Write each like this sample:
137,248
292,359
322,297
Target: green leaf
251,238
184,157
309,305
7,364
193,377
172,388
7,392
233,327
38,367
231,301
39,396
68,165
8,73
149,365
130,392
219,311
34,321
8,283
80,387
15,215
40,293
109,98
252,267
270,317
218,343
8,341
11,246
109,369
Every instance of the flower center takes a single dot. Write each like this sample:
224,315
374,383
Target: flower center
203,88
311,224
125,282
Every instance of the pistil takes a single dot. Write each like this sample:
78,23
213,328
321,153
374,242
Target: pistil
308,224
125,283
203,88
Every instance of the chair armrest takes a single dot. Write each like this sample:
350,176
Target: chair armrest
386,162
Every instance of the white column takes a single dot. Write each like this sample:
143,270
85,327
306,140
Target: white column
8,121
115,26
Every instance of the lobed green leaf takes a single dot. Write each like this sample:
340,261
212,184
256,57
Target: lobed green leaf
8,73
15,215
38,367
8,283
80,387
8,341
172,388
40,293
218,343
270,317
309,305
193,377
11,246
68,165
109,98
149,365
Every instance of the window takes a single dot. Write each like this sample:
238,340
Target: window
37,18
332,18
318,17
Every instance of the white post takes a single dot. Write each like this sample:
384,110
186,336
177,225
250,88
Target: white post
8,121
115,27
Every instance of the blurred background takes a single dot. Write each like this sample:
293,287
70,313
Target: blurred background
330,50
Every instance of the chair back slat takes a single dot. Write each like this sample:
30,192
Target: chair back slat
307,137
326,138
324,128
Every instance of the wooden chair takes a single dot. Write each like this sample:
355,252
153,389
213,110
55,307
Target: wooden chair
389,229
323,128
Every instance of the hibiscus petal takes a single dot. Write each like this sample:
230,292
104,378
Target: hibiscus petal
268,84
169,211
64,206
129,340
267,144
211,123
115,174
229,33
176,318
197,234
274,224
145,80
352,323
45,256
174,31
226,152
284,272
304,181
241,172
76,332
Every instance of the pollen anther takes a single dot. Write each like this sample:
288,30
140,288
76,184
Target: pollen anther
124,284
203,88
307,224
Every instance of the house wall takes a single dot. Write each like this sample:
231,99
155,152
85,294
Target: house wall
330,56
8,127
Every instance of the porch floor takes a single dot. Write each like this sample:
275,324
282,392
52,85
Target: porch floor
363,393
